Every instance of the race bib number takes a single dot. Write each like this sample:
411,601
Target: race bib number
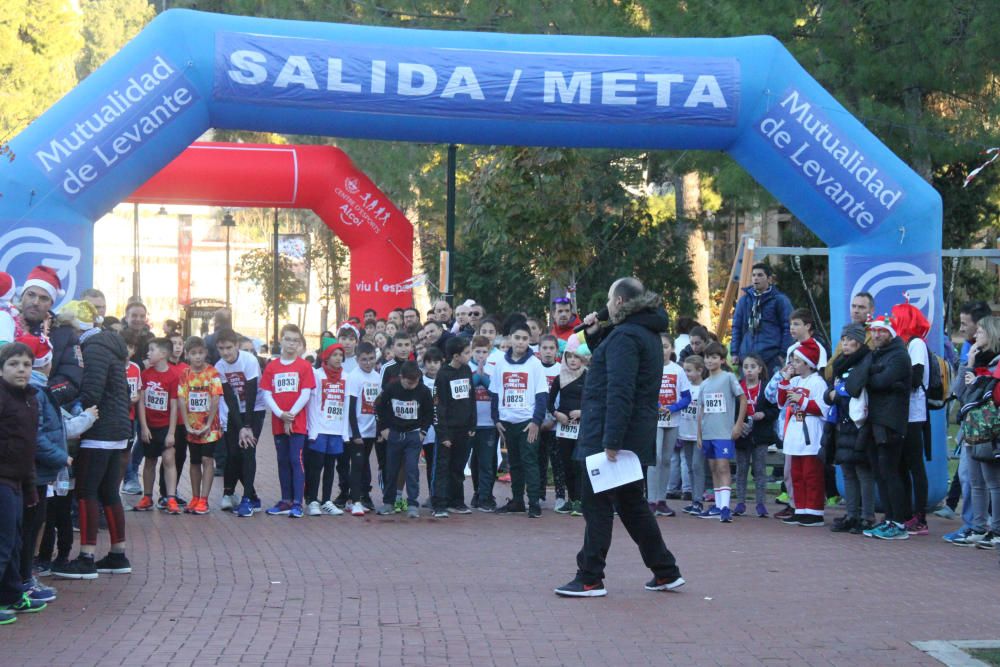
333,410
666,418
133,387
570,431
198,401
515,390
238,382
156,399
369,392
714,403
404,409
460,388
668,390
286,382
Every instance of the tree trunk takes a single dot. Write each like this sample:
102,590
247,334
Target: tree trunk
914,104
688,193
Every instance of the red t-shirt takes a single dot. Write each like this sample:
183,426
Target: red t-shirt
179,369
286,382
133,375
159,388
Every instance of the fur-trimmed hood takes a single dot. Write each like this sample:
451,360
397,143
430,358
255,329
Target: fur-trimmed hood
646,307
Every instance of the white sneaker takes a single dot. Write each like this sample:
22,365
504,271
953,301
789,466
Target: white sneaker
229,503
357,509
314,509
328,508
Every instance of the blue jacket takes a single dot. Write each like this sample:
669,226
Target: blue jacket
622,392
50,456
760,324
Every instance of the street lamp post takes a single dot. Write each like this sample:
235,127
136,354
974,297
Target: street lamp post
228,222
135,252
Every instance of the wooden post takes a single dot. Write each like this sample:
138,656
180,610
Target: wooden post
739,277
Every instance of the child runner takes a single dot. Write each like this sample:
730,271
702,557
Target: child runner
19,431
199,392
758,434
178,365
158,425
405,411
363,388
548,354
327,418
347,336
456,423
720,423
565,401
484,443
402,348
519,394
433,360
675,395
803,390
687,435
287,383
239,372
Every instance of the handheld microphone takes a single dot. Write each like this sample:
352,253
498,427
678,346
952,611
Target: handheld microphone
602,316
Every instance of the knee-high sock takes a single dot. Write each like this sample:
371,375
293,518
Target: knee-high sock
722,496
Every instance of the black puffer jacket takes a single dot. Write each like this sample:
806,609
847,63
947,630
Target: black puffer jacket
622,391
886,373
18,436
850,442
67,366
104,385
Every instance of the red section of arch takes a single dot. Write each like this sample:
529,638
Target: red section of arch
320,178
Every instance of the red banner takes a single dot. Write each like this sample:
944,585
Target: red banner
184,243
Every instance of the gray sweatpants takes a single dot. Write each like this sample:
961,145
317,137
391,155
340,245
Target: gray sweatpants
756,457
859,490
696,464
658,477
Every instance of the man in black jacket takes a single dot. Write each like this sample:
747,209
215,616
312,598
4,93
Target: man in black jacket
40,292
886,376
619,412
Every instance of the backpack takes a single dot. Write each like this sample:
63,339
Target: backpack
938,387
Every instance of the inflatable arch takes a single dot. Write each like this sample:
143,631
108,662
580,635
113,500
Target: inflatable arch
320,178
189,71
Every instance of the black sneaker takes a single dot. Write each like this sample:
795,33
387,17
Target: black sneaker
534,511
489,507
861,525
792,520
686,495
475,502
460,509
368,503
810,520
656,584
843,525
578,589
510,507
80,567
114,564
341,501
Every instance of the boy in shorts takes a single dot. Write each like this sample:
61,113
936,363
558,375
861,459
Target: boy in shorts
199,390
158,424
720,423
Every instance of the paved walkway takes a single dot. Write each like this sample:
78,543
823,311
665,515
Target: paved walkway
477,590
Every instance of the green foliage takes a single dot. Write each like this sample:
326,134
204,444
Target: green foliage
107,26
257,268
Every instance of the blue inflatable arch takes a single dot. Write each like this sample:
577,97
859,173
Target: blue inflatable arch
190,71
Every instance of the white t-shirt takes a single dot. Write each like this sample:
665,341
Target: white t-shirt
365,387
687,426
429,383
350,365
236,375
516,385
918,399
327,409
484,418
673,383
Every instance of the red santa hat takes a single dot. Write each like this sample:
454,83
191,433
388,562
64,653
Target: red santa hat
40,347
808,351
46,278
6,287
883,322
325,354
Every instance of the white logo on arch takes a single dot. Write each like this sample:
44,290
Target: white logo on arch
898,278
40,246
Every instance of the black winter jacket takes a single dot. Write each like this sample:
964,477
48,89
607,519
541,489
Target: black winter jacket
850,443
67,364
104,385
18,436
622,391
886,373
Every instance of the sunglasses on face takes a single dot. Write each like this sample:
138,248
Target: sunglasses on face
475,313
562,300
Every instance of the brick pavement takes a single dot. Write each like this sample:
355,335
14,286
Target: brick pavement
477,590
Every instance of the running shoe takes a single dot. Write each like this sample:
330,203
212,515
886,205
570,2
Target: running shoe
577,508
172,506
578,589
145,504
512,506
725,516
694,509
712,512
191,505
78,568
762,510
741,509
460,509
114,563
534,511
329,508
413,512
782,498
257,507
340,501
440,514
385,510
990,541
313,509
792,520
357,509
245,508
870,532
504,478
969,537
810,520
295,512
891,531
861,526
563,507
663,509
42,568
38,592
400,505
7,617
132,487
945,513
918,527
657,584
487,506
786,513
24,606
368,503
280,507
228,503
201,507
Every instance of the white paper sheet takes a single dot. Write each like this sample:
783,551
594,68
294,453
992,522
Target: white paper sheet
605,474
